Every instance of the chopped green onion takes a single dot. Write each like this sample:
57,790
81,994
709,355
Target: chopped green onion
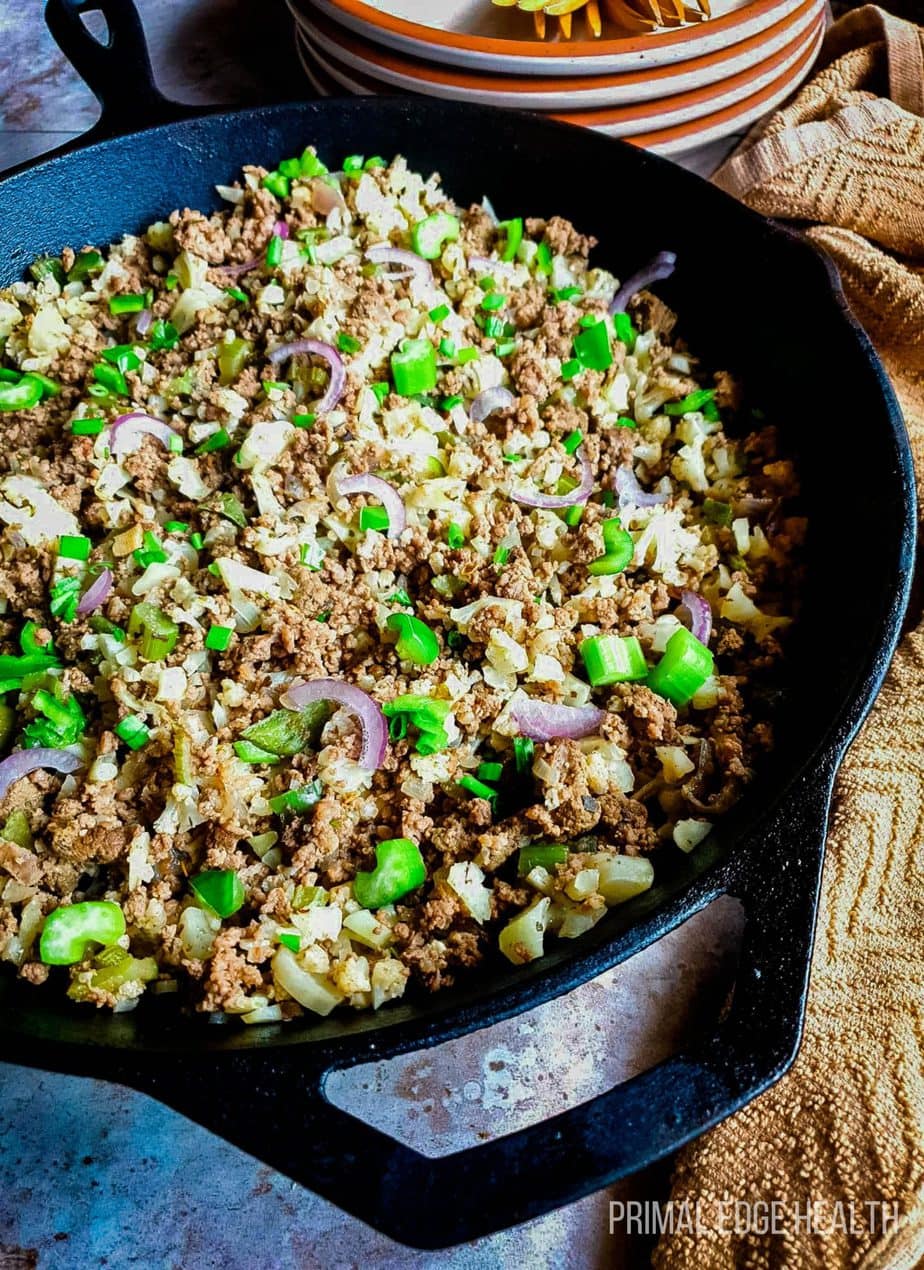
353,163
163,335
544,258
478,788
491,303
447,348
416,642
613,659
86,264
22,395
131,303
450,403
573,515
625,330
298,800
375,518
324,615
221,890
348,343
133,732
218,638
63,723
274,252
290,939
48,266
159,633
176,526
111,379
572,441
619,548
196,541
304,420
717,513
426,714
440,313
413,368
505,348
570,368
524,748
430,235
494,327
692,401
541,855
501,556
400,597
592,346
311,165
123,356
513,236
684,667
277,184
466,355
711,412
219,440
380,390
235,293
455,537
566,293
399,868
490,771
171,282
74,547
64,598
375,162
87,427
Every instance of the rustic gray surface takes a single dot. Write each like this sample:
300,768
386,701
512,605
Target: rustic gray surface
92,1175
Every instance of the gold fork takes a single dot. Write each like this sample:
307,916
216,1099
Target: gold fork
626,15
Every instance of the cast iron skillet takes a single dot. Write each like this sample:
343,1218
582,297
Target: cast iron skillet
751,296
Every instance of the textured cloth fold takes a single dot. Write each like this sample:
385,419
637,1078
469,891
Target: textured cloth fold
843,1131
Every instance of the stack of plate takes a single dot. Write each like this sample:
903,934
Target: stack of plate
673,91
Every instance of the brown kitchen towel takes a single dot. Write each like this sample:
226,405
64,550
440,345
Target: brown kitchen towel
843,1132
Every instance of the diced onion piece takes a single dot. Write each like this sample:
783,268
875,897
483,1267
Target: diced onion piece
96,593
492,399
690,833
467,880
369,713
365,928
623,876
314,992
521,940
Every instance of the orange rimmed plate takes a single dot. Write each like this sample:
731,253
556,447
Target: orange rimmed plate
479,36
408,74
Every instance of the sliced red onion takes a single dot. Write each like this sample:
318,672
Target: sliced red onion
490,400
143,323
387,495
411,264
235,271
655,271
552,501
330,355
369,713
631,493
700,615
281,229
96,593
127,431
543,721
25,761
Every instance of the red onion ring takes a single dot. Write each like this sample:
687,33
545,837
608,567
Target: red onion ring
656,270
143,322
369,713
387,495
127,431
318,348
281,229
411,265
96,593
490,400
700,615
23,762
552,501
631,493
543,721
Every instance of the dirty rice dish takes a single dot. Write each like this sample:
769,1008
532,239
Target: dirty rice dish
381,585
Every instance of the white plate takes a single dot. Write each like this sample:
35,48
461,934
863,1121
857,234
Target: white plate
387,67
476,34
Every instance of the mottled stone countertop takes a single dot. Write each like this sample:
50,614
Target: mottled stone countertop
92,1175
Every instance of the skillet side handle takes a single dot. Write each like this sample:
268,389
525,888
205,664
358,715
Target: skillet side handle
273,1105
118,71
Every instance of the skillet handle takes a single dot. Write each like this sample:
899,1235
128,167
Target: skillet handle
273,1105
118,70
